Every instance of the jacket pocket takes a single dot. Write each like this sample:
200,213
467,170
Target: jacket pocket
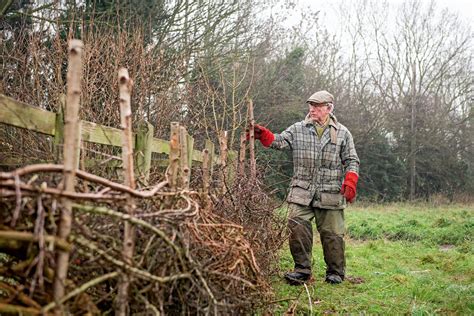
300,192
332,200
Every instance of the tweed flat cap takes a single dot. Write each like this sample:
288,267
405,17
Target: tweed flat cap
321,97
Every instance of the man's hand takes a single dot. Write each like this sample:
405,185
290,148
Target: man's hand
349,185
263,134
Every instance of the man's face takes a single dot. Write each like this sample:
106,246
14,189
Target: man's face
319,111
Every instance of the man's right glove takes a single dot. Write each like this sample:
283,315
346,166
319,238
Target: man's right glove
349,185
263,134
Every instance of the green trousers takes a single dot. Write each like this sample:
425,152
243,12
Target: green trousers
330,225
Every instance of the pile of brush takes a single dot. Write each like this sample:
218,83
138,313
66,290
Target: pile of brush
74,242
189,255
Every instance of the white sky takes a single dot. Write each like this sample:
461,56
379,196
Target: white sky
327,8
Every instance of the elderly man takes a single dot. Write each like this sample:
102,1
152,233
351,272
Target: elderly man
325,175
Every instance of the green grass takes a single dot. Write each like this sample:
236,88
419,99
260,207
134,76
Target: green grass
401,259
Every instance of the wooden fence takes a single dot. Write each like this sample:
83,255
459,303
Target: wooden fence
19,114
68,132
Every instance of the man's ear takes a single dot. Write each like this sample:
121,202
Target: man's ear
331,107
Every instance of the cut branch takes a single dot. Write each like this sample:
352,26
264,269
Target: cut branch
71,141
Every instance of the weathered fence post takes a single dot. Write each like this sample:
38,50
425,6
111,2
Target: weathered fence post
184,168
125,87
232,160
143,150
72,136
172,171
243,143
190,141
205,178
253,164
59,130
223,159
210,148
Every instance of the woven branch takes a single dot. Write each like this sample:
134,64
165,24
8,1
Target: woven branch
25,236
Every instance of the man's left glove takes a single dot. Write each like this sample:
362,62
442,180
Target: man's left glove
263,134
349,185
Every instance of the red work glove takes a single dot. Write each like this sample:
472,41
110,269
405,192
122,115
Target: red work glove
263,134
349,185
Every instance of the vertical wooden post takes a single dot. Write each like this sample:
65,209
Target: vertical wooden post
143,150
77,152
205,178
190,141
172,171
232,160
71,141
125,88
253,164
183,162
223,159
59,130
210,148
243,143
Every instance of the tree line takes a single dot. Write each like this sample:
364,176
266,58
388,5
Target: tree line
401,77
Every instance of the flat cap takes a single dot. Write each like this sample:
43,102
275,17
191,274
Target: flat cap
321,97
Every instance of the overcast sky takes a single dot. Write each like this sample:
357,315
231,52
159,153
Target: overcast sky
327,8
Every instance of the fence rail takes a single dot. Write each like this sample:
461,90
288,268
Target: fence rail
22,115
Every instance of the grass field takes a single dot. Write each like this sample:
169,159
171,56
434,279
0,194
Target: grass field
401,259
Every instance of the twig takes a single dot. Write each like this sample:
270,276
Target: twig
309,299
18,310
145,275
39,233
149,306
161,212
128,218
16,213
25,299
81,289
61,193
25,236
83,175
230,276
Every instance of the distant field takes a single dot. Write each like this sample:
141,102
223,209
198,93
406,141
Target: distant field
401,259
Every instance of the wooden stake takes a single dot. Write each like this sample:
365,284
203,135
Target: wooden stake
253,164
210,147
59,130
205,177
125,88
243,143
183,162
223,159
143,148
71,160
190,142
173,168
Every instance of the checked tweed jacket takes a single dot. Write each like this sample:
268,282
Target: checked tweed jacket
319,165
